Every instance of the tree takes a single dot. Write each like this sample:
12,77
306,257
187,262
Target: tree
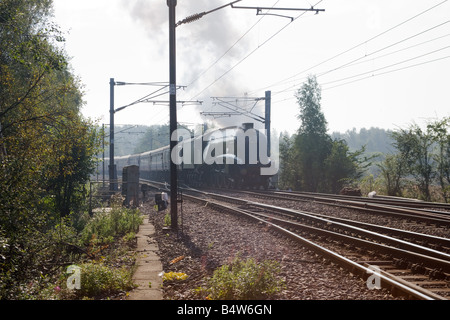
157,136
392,170
311,160
342,167
312,144
415,147
441,136
46,146
423,156
287,171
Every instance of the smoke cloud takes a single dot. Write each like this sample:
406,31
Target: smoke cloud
199,45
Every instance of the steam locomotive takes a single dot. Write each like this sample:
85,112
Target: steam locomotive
231,157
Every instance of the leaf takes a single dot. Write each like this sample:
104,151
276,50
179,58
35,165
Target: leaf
177,259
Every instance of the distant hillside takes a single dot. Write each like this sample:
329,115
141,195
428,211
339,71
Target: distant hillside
126,139
375,139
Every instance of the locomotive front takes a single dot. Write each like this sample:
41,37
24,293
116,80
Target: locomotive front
235,156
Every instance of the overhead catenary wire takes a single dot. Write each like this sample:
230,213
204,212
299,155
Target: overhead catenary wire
354,61
251,53
390,71
397,51
197,16
228,50
372,74
293,86
386,47
355,46
388,66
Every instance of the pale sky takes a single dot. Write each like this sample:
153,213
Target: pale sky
380,63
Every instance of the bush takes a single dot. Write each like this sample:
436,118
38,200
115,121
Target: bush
98,279
245,280
117,222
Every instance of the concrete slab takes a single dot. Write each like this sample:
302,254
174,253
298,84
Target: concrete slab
147,275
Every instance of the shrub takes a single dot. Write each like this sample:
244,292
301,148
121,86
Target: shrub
245,280
98,279
117,222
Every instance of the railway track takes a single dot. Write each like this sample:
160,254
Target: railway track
424,211
408,263
405,267
385,200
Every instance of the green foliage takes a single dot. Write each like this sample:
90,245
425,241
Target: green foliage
339,167
155,137
244,280
311,160
129,237
167,219
423,156
415,146
98,279
107,224
441,135
312,119
46,147
392,171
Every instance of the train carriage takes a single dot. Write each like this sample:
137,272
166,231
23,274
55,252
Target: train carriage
228,157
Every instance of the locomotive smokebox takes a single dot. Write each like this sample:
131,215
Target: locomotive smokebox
247,125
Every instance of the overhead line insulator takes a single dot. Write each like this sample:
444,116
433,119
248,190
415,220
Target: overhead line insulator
191,18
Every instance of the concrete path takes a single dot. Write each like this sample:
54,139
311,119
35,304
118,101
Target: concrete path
149,266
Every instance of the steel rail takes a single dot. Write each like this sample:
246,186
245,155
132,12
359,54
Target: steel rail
407,213
387,280
350,228
354,267
377,199
439,241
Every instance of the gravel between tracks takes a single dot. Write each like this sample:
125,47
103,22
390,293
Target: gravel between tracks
352,214
210,239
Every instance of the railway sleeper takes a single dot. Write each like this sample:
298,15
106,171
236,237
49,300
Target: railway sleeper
438,274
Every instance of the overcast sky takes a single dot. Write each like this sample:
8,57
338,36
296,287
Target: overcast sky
380,63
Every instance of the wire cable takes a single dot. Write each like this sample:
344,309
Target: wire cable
227,51
358,45
251,53
354,61
390,71
385,67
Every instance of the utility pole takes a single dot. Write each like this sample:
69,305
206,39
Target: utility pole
173,114
103,159
150,99
112,166
268,103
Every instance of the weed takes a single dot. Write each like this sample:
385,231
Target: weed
98,279
106,225
167,220
244,280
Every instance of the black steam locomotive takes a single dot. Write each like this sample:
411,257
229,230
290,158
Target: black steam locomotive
232,157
